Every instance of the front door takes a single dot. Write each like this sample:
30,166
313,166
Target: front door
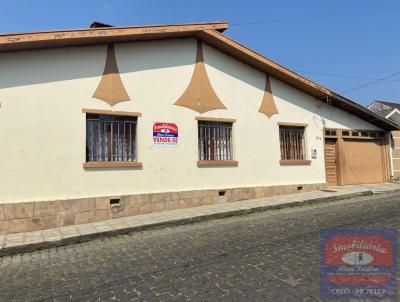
330,161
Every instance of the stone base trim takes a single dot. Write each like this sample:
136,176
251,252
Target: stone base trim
35,216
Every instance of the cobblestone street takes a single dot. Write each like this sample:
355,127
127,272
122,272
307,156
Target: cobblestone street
270,256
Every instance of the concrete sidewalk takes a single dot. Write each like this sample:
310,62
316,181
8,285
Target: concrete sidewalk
29,241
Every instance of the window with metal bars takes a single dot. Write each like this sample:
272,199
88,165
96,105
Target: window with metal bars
292,143
215,140
110,138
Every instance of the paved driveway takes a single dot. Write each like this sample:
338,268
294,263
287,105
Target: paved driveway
271,256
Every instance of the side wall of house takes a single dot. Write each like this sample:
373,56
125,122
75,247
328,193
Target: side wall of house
395,154
42,127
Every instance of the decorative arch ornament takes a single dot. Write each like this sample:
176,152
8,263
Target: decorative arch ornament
268,106
111,89
199,95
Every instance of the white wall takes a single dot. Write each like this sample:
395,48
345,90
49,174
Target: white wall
42,127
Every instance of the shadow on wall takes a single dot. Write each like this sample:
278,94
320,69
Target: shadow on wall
53,65
46,66
323,113
234,68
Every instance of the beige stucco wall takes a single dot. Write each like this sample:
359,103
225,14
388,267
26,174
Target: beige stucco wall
42,127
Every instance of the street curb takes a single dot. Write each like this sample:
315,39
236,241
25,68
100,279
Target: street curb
7,251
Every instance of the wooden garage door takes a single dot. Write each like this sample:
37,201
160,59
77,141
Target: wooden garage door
330,161
362,161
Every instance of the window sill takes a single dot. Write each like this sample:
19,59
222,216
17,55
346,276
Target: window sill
112,164
203,163
294,162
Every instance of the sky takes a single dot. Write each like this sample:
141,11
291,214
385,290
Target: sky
340,44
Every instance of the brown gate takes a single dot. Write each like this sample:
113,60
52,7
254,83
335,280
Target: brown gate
362,161
330,161
356,157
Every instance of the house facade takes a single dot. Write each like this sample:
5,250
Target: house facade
109,122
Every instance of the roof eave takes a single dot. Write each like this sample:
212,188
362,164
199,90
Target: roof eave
101,35
362,112
395,110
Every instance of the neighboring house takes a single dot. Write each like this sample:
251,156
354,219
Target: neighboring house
114,121
391,111
388,110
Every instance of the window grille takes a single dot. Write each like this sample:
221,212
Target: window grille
292,143
110,138
215,140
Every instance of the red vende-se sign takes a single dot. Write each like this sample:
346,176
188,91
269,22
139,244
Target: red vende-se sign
166,134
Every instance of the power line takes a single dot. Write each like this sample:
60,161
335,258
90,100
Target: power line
316,17
341,76
372,83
